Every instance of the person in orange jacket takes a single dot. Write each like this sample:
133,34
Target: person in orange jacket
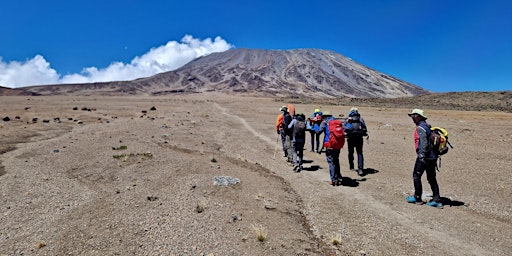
280,128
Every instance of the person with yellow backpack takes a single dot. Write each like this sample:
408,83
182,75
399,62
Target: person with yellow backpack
426,160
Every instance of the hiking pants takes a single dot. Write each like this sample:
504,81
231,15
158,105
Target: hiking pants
313,136
357,144
283,141
419,168
298,153
333,159
288,147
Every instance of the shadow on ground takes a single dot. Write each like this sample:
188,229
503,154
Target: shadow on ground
311,168
448,202
349,182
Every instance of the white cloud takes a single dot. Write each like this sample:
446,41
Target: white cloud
164,58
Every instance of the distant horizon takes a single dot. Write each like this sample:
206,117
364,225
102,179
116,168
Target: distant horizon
439,46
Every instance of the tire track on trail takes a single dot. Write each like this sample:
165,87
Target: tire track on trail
380,210
244,123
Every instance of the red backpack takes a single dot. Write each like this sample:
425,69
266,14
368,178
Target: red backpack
334,137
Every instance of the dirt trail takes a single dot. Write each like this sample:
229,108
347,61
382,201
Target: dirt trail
81,200
356,211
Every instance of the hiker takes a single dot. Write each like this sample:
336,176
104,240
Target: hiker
334,140
355,129
280,127
312,126
287,146
425,161
298,126
322,125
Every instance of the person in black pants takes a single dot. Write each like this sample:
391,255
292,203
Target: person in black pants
355,129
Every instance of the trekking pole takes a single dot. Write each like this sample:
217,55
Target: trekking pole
275,148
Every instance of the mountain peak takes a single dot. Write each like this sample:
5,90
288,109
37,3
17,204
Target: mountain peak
306,72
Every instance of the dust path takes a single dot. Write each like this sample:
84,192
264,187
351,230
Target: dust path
378,208
245,124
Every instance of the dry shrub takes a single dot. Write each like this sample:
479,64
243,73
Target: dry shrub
260,231
336,239
200,207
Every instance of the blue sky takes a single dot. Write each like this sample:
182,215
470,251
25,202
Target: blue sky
439,45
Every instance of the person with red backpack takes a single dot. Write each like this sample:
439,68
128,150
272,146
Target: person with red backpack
334,140
425,161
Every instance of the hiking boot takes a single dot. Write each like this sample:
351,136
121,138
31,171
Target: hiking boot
360,172
414,200
435,204
339,182
332,183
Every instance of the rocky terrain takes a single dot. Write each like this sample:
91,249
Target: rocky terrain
138,175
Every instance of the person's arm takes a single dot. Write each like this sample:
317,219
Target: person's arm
322,127
292,123
423,143
279,122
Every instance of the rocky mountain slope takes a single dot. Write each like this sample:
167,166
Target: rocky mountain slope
300,72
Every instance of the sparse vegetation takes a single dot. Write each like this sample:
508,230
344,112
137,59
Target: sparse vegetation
126,156
122,147
41,245
336,239
260,231
200,207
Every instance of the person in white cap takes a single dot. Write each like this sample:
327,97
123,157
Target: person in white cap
355,129
425,161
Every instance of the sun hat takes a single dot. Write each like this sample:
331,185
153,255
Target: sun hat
417,112
283,108
317,110
354,109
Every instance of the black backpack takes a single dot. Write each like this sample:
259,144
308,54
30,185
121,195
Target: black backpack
358,129
299,130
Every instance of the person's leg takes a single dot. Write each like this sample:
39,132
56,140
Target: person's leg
283,142
360,157
313,135
317,137
350,145
332,167
294,153
337,167
288,146
431,178
419,168
300,154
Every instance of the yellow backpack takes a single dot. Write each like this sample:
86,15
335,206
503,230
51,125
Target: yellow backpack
439,140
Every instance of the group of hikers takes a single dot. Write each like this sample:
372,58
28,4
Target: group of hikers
292,129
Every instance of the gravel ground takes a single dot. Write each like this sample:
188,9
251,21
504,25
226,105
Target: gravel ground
114,177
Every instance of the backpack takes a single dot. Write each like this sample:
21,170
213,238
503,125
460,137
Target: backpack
287,119
439,140
334,135
357,127
299,130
